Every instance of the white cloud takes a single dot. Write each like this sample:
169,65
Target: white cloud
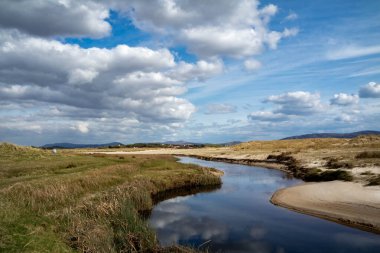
345,118
267,116
366,72
56,18
269,10
297,103
215,41
82,127
371,90
199,71
130,83
81,76
125,90
352,51
220,109
272,38
252,65
291,16
224,28
290,32
344,99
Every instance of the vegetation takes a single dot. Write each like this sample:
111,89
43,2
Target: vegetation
335,163
374,181
70,203
368,154
316,175
367,173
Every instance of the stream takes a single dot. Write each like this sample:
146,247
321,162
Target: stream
238,217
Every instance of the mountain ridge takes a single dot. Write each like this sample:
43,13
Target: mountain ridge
332,135
73,145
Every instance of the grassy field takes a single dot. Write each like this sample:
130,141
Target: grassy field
85,203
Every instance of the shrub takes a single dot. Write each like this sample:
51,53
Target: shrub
334,163
368,154
374,180
328,175
336,175
312,175
366,173
71,165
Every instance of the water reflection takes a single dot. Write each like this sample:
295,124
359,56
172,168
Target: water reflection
239,218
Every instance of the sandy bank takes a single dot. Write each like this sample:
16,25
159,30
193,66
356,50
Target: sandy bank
344,202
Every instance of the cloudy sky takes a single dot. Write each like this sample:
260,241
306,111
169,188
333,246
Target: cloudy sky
91,71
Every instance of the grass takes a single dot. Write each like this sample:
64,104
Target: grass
83,203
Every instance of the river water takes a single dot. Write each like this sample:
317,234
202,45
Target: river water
238,217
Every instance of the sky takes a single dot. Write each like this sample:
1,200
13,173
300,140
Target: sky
91,71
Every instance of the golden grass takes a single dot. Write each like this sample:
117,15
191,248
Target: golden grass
313,144
66,203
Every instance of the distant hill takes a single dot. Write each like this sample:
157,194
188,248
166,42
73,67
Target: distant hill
181,143
72,145
332,135
186,143
232,143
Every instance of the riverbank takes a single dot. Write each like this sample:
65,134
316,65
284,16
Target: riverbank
355,160
348,203
67,202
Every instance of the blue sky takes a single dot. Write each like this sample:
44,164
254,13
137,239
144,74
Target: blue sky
142,71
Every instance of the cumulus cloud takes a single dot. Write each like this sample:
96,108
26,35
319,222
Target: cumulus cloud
267,116
225,28
81,127
344,99
371,90
345,118
137,80
297,103
66,89
79,18
220,109
199,71
102,87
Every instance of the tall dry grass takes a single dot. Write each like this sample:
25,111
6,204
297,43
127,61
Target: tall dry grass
66,203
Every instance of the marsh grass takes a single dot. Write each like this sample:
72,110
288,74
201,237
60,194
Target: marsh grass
69,203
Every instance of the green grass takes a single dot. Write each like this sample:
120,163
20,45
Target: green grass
77,203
